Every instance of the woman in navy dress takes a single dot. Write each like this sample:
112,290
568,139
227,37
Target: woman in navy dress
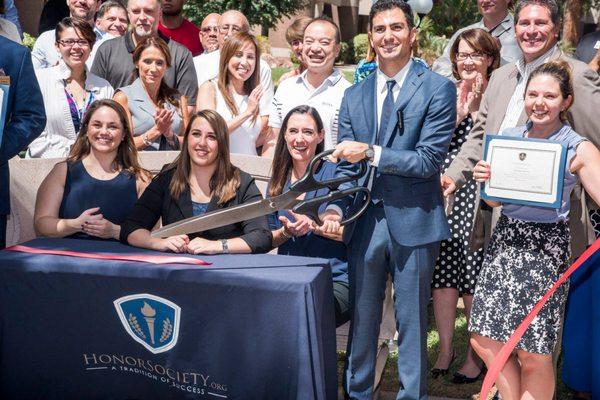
300,138
91,193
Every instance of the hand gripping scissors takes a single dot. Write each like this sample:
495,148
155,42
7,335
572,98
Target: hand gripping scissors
284,201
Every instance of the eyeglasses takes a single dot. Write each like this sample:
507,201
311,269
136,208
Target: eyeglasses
227,28
73,42
472,56
208,29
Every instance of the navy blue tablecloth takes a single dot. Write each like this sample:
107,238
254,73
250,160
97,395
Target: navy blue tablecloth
248,326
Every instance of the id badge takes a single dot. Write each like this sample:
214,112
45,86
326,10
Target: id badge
4,89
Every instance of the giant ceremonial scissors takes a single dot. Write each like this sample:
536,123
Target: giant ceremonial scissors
285,201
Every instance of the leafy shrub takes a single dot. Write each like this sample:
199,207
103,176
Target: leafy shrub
263,44
346,55
361,45
431,46
28,40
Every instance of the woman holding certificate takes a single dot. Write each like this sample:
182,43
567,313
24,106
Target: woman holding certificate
530,248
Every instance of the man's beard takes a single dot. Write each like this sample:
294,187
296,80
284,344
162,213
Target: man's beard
87,16
210,47
172,13
142,33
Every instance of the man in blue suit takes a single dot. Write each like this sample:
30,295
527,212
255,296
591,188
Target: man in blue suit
401,120
25,117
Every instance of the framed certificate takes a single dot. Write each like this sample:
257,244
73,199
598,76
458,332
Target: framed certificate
524,171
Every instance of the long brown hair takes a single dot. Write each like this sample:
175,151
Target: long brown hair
231,46
166,94
127,155
226,178
282,160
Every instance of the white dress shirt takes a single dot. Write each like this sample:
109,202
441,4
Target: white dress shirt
517,101
382,92
207,68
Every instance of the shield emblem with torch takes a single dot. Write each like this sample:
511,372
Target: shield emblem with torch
150,320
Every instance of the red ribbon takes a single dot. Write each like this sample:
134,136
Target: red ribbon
500,360
151,259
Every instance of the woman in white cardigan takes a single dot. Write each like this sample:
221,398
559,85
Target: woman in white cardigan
68,89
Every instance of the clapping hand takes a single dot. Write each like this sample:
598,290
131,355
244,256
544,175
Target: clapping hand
254,99
163,119
595,63
469,98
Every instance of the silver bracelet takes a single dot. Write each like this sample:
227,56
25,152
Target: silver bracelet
145,139
285,234
225,246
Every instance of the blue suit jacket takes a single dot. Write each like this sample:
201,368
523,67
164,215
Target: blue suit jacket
26,117
414,147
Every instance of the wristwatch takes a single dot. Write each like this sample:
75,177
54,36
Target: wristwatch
370,153
225,246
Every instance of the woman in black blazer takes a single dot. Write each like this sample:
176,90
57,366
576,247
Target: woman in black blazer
201,179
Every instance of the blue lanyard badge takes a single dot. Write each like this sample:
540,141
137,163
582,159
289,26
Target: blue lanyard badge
4,88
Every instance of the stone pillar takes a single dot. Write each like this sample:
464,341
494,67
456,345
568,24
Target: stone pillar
348,22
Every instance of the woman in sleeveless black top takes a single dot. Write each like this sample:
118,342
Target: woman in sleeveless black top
91,193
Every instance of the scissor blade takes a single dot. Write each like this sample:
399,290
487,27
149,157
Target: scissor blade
226,216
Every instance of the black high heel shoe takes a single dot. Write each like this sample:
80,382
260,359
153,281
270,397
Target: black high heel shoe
437,372
461,379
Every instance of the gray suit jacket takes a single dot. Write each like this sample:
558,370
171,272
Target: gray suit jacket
489,119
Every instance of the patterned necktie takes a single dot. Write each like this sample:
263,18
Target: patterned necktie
386,111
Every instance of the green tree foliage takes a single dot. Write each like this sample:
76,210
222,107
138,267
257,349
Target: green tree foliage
450,15
265,13
431,46
361,45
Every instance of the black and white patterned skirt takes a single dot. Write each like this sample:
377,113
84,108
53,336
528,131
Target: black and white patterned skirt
524,259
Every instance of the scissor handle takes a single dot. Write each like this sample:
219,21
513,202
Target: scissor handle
310,207
308,182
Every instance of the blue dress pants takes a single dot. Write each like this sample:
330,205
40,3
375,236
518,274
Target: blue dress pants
374,254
